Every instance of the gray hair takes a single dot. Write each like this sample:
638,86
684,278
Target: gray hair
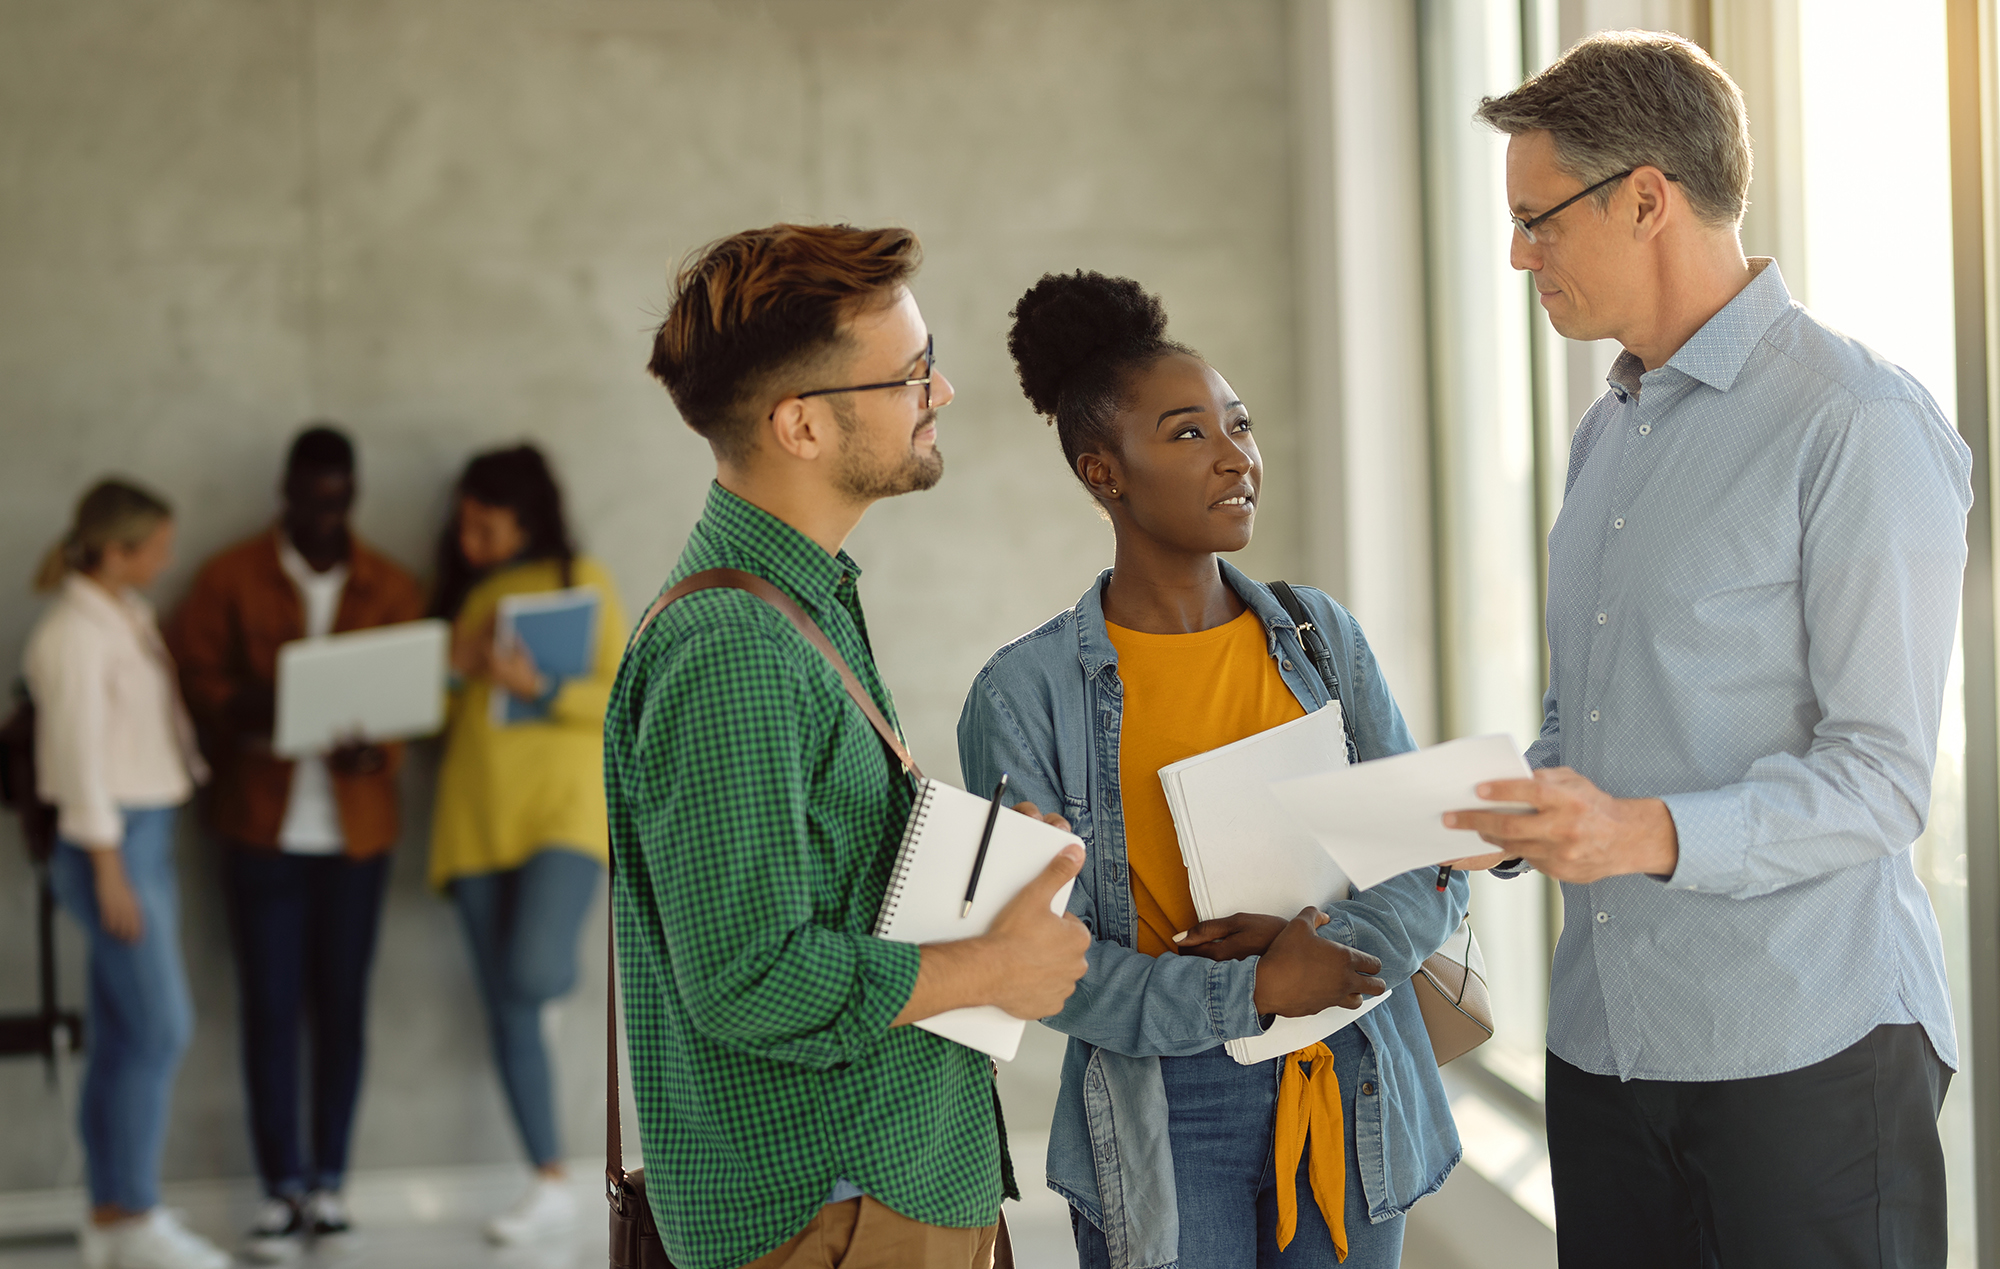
1624,99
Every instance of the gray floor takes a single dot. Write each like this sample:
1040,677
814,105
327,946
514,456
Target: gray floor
432,1219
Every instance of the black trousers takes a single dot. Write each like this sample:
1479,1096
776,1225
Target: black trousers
304,929
1836,1164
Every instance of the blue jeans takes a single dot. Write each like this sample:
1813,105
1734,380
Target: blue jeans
140,1014
522,927
305,928
1220,1120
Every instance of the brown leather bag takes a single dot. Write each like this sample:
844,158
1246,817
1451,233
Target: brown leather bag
635,1240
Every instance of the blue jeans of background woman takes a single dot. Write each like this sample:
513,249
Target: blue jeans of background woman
1220,1119
305,929
140,1014
522,926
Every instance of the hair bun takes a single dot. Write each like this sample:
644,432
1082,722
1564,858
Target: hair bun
1068,319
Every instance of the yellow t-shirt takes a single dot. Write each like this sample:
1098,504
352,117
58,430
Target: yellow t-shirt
504,793
1184,694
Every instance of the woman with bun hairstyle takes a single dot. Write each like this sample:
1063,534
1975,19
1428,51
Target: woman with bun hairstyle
115,754
1168,1151
519,837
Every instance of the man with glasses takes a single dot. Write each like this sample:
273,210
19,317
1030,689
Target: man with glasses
791,1116
1753,588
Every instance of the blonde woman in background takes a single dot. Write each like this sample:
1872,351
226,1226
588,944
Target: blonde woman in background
519,838
115,754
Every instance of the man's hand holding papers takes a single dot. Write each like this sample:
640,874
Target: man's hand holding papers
1577,832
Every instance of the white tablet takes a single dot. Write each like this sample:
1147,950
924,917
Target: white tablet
382,684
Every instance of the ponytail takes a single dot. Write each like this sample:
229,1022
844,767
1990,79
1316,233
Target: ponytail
55,567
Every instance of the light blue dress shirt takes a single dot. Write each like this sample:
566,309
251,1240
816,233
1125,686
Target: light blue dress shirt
1753,588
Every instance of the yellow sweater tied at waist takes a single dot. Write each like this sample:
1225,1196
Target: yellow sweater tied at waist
1309,1116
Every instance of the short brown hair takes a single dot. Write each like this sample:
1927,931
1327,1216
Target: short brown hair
1624,99
764,301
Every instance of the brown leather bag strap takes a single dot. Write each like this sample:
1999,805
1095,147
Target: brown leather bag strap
614,1143
737,579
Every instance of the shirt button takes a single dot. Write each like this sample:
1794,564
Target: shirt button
1619,523
1368,1088
1593,715
1602,917
1644,428
1286,664
1600,619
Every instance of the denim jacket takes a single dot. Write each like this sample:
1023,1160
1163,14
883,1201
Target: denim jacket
1047,709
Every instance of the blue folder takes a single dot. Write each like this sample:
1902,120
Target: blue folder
560,631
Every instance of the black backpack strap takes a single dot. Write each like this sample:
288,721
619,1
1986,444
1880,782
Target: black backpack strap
1314,640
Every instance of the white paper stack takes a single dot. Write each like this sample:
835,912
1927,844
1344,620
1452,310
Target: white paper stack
1246,852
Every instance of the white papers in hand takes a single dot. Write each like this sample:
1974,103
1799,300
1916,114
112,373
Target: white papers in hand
1385,817
1246,853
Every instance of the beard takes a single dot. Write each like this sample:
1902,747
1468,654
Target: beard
866,474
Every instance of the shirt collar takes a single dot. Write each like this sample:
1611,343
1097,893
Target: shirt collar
788,558
1094,647
121,606
1717,352
299,571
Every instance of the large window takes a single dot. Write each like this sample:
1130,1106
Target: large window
1872,84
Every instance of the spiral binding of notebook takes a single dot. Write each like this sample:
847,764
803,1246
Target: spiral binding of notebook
906,854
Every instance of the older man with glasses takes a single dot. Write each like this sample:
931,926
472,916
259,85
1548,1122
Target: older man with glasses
1753,588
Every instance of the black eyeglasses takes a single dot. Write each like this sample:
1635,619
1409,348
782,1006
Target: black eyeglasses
930,369
1527,227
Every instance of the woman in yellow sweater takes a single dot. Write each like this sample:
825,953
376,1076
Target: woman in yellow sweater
518,837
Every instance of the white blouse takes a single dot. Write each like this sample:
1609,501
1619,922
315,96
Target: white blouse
110,729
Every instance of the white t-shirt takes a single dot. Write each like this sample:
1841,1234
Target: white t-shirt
312,817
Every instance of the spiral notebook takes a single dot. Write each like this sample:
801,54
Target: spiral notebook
927,890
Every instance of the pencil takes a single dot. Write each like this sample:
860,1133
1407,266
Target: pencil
985,840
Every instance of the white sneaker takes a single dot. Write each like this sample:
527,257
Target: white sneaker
153,1241
98,1243
277,1236
547,1209
326,1215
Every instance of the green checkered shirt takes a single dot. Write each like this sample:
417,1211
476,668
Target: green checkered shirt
754,822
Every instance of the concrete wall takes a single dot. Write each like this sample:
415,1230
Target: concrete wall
448,224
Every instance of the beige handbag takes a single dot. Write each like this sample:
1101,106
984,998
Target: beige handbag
1451,992
1451,986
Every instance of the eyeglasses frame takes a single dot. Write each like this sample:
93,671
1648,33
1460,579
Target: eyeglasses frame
930,372
1527,227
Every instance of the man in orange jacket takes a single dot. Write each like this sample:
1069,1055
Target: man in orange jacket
306,843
